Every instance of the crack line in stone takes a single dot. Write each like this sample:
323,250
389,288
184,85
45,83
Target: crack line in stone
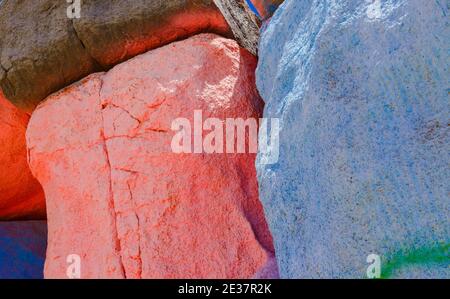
138,229
97,64
118,248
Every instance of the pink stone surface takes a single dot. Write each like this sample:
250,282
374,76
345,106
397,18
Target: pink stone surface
21,196
121,199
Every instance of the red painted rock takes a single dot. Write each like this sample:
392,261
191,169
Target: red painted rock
120,198
21,196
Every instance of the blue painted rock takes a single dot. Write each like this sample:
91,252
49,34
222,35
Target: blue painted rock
361,91
264,8
22,249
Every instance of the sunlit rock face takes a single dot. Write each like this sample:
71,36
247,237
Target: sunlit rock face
22,249
43,48
21,196
119,197
361,90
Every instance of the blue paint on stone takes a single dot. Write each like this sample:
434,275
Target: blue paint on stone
22,249
361,91
253,8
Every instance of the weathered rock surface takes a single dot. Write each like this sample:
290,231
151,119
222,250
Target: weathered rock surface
121,199
21,196
22,249
242,22
42,50
361,90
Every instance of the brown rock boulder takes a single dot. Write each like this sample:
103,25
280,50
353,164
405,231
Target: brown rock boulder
122,200
42,50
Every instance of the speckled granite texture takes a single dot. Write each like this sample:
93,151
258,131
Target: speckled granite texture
362,92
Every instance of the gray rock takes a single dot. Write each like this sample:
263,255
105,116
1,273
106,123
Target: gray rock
242,21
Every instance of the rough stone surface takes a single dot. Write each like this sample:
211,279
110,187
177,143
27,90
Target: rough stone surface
22,249
121,199
42,50
361,90
242,22
21,196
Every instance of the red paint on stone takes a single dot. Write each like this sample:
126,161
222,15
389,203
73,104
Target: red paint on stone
120,199
21,196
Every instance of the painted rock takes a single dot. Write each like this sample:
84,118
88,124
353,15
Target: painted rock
21,196
264,9
122,200
361,91
22,249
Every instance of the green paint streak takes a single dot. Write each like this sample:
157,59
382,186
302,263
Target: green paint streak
438,255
